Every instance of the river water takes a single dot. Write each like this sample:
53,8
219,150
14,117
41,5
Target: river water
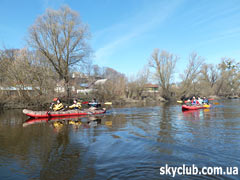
125,143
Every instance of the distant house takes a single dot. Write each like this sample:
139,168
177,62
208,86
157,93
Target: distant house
91,87
80,83
151,88
77,75
98,83
15,89
60,87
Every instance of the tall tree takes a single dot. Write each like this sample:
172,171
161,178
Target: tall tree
61,37
190,75
136,84
228,82
163,65
209,74
208,78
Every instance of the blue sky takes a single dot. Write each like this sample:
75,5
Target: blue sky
125,32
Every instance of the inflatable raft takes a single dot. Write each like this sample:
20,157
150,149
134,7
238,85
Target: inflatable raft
186,107
48,114
66,119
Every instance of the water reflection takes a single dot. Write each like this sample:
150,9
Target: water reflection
125,143
58,123
192,115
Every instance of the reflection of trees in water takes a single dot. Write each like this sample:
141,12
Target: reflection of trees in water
66,160
231,113
40,149
63,159
24,146
11,117
114,122
166,132
153,125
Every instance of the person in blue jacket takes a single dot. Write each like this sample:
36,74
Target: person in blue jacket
94,104
205,100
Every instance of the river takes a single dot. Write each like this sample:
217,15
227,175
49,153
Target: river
125,143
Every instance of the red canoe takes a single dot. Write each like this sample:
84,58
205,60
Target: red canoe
186,107
47,114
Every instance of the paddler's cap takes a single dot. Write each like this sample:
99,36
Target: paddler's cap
55,99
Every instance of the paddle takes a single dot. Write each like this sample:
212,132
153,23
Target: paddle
106,103
85,102
211,99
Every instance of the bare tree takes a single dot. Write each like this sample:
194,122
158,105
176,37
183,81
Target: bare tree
61,37
228,82
136,85
142,80
208,78
190,74
15,67
113,88
208,74
28,73
163,65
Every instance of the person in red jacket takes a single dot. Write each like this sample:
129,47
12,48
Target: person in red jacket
194,101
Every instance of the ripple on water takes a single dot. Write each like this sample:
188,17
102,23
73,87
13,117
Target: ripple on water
127,143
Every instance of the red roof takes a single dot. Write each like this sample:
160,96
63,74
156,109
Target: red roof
151,86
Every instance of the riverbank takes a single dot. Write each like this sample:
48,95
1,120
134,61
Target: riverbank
44,105
122,101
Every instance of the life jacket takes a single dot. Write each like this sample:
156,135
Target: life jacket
76,106
200,101
94,104
57,107
195,102
205,101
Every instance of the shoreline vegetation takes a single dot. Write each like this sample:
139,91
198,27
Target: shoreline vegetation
119,102
58,62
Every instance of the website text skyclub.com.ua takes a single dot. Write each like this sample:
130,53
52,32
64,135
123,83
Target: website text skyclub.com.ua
194,170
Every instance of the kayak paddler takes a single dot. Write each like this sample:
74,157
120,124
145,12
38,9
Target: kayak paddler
58,106
94,104
76,105
194,101
205,100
